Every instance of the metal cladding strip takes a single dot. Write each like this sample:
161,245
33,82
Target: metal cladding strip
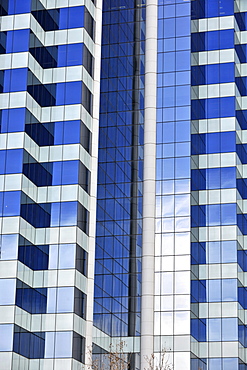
147,311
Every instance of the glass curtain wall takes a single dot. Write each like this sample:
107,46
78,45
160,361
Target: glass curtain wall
172,246
120,172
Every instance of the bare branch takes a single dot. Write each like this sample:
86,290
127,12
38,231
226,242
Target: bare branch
158,362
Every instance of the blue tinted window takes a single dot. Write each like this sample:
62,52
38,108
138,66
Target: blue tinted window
7,291
67,256
221,252
168,97
198,110
68,216
213,290
64,214
198,290
213,178
216,107
9,246
226,7
78,347
47,18
229,251
13,161
241,20
183,78
18,7
215,363
63,346
42,134
224,214
231,363
52,300
55,214
45,56
169,62
182,167
34,256
49,343
182,9
70,55
69,93
6,337
182,26
168,168
241,84
10,203
59,344
67,132
60,300
13,120
229,290
183,95
213,214
220,107
198,179
241,116
227,107
183,60
169,27
15,80
65,299
182,131
220,40
214,330
37,214
198,41
198,216
39,173
66,172
226,39
221,142
168,10
182,43
198,329
242,223
212,8
213,73
228,214
213,252
197,9
229,329
221,178
215,8
72,17
228,177
29,299
241,52
43,94
17,41
27,344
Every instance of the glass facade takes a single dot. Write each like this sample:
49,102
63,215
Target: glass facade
172,244
217,232
46,128
117,292
123,196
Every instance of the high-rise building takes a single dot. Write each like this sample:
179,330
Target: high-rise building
123,183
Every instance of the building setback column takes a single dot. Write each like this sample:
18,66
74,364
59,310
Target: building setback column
94,173
147,310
